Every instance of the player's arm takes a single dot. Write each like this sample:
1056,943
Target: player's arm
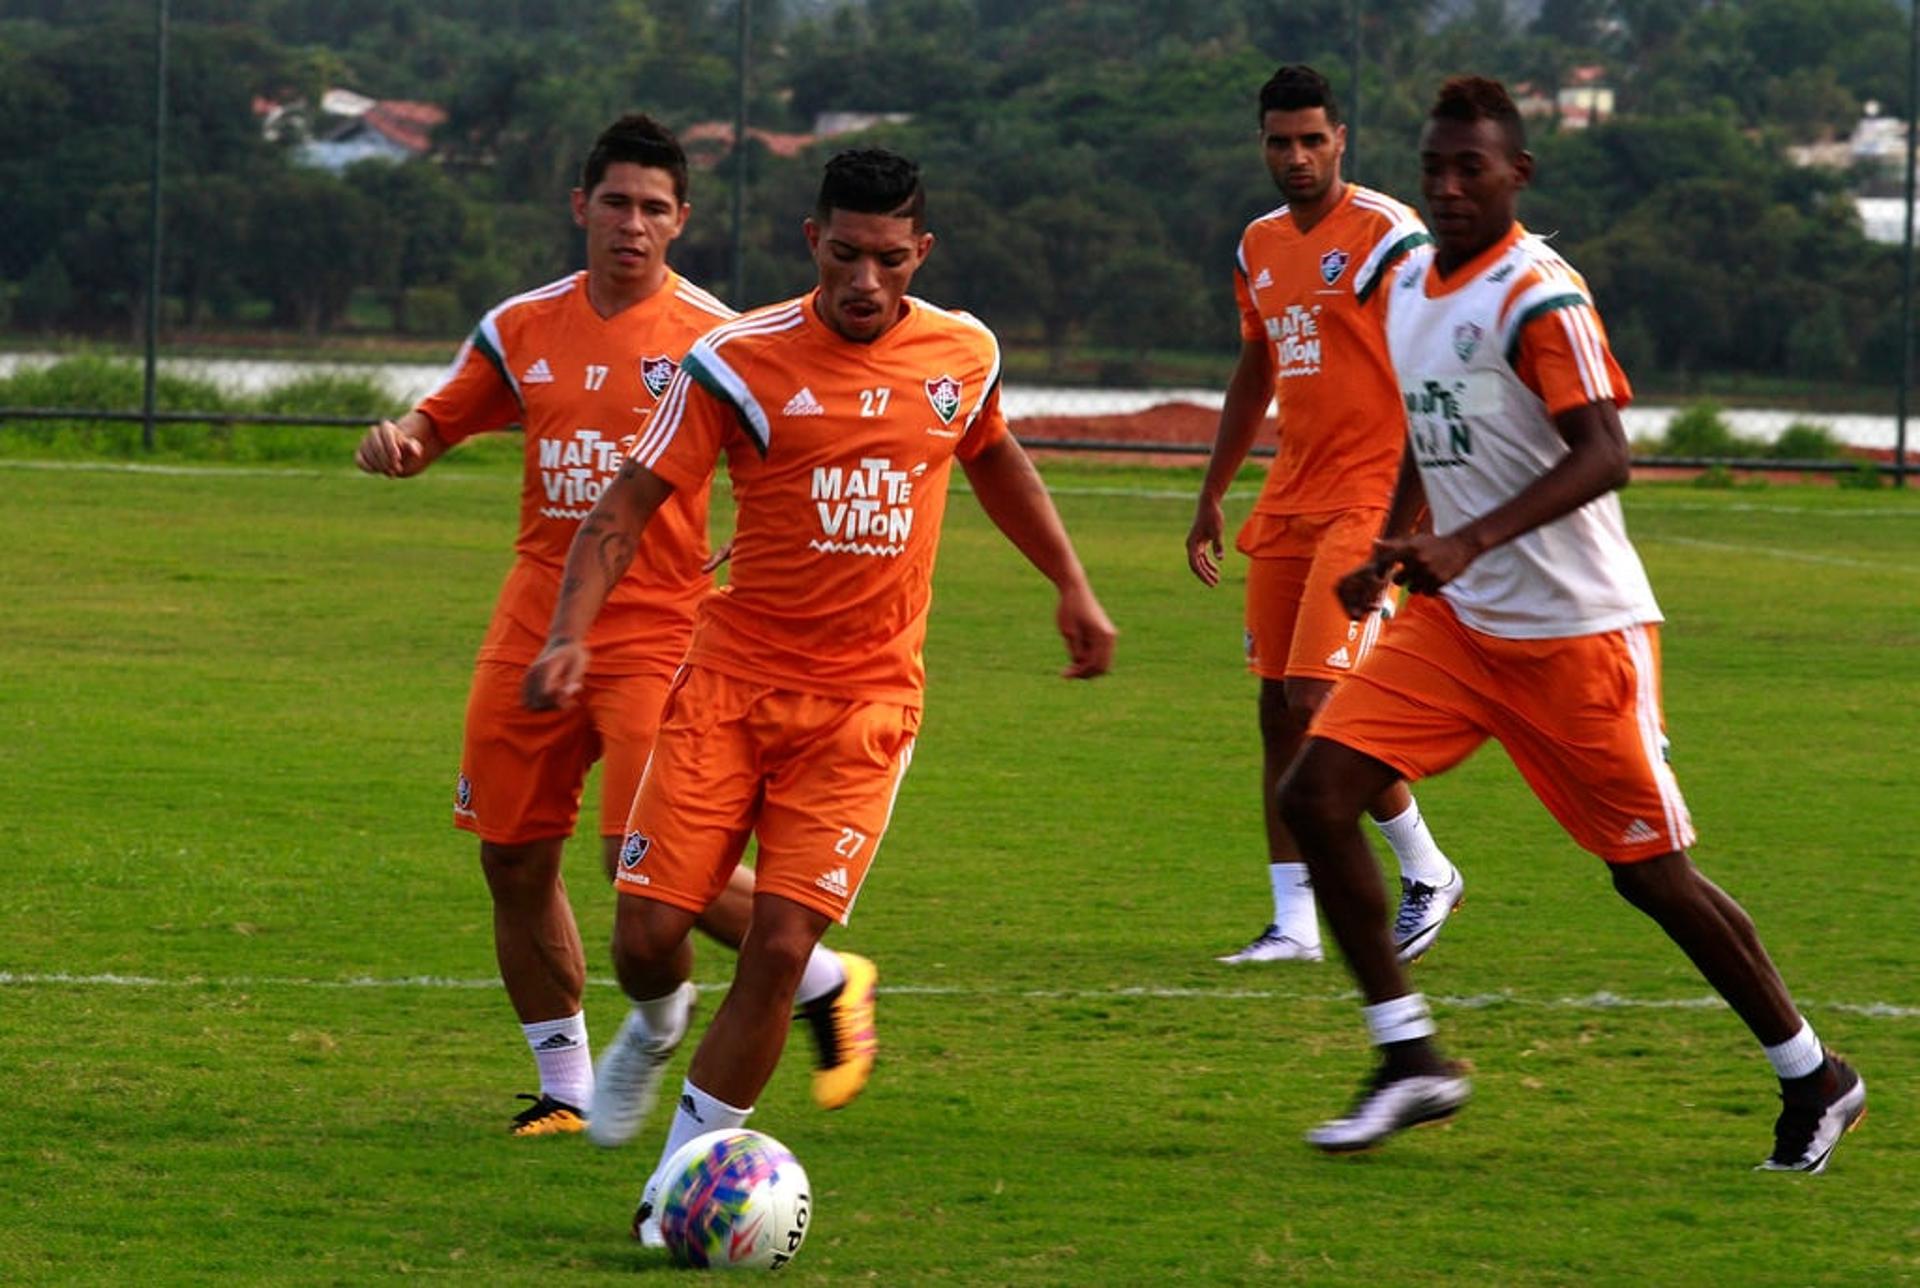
1597,462
1249,391
400,448
601,551
1013,496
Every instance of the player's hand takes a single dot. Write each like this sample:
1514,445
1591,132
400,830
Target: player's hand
1088,633
556,676
1427,561
1360,590
387,449
718,557
1204,550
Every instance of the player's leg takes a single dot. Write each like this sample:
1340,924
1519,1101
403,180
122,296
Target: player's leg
1406,714
1822,1098
688,823
836,769
1274,587
1589,738
1328,646
519,790
626,712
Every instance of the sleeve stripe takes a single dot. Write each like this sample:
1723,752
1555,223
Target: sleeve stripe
486,338
1594,377
664,423
711,372
1389,253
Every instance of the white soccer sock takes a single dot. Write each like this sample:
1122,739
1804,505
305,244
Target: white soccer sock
1293,907
824,973
1399,1019
1413,845
695,1115
566,1064
665,1017
1799,1055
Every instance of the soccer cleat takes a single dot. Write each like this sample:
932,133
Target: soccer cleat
843,1035
1272,946
1423,910
646,1222
1390,1104
1810,1127
547,1117
626,1081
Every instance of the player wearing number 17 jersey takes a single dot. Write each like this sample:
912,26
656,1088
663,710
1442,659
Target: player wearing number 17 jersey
1532,622
841,415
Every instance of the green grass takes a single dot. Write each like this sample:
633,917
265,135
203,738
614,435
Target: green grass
232,703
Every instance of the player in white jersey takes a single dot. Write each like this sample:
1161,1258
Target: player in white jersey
1531,622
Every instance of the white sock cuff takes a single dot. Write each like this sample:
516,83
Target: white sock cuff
571,1026
1399,1019
712,1109
665,1017
823,974
1799,1055
1405,818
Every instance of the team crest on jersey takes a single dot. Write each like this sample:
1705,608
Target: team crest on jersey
1466,338
1332,264
634,849
943,391
656,373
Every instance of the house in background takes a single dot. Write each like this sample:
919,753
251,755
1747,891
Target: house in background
350,128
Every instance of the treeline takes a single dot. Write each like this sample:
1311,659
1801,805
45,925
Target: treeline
1090,163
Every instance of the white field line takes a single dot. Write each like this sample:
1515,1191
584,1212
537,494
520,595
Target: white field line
1600,1001
1775,552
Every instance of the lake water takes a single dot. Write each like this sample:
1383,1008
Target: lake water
407,382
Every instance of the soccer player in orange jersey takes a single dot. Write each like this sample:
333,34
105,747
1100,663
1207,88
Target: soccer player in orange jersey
1531,622
841,414
1308,280
580,363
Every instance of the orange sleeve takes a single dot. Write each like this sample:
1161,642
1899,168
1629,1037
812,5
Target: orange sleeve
989,427
473,398
688,431
1251,327
1562,355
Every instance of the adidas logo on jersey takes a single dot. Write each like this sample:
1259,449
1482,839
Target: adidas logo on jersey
1341,658
834,882
1263,281
1638,833
538,374
803,404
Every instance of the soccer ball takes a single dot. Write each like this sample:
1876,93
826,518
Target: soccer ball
734,1199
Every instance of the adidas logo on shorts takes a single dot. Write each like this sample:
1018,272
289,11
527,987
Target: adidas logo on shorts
1638,833
834,882
1341,658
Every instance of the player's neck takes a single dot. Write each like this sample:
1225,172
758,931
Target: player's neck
609,295
1448,260
1306,216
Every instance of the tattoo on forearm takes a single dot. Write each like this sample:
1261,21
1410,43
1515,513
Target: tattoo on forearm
616,552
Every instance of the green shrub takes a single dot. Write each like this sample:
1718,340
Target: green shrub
1865,475
1701,431
1715,476
1802,441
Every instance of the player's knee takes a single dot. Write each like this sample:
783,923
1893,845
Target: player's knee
778,951
1655,885
515,871
645,936
1311,803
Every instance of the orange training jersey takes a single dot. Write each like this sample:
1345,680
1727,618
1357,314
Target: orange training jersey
840,455
1315,297
583,387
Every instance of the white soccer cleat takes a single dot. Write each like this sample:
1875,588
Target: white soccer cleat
1424,909
626,1081
1389,1105
646,1217
1272,946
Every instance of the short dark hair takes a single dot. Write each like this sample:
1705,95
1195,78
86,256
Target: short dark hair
872,181
1480,98
640,140
1296,87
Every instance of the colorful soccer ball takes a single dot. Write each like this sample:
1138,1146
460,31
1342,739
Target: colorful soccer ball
734,1199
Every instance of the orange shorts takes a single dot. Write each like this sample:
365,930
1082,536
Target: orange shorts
1580,717
1295,624
813,777
521,771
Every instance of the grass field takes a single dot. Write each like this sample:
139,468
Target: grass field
250,1032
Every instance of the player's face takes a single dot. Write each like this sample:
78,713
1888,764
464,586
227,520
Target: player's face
1471,182
865,262
1303,151
631,217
